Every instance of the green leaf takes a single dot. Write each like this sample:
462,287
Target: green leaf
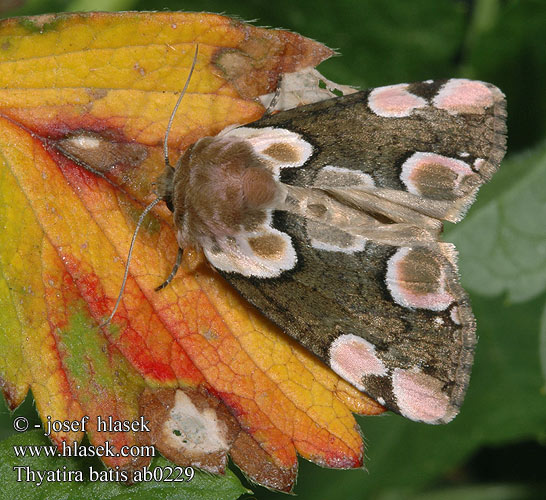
504,491
95,5
542,346
506,47
203,486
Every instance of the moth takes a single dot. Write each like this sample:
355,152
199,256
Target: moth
328,218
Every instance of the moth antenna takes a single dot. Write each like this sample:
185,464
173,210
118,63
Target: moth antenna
167,164
171,119
124,282
173,272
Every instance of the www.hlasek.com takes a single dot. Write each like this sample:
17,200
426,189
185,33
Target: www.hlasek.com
75,449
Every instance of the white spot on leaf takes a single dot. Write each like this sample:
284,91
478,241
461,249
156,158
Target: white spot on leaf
84,141
198,431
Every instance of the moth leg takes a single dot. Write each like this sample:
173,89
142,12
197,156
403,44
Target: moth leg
193,258
173,272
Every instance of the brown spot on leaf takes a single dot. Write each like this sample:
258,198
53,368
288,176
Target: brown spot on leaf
13,399
254,67
232,62
189,427
96,94
99,152
160,407
252,459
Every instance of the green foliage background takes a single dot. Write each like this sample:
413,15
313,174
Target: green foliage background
496,447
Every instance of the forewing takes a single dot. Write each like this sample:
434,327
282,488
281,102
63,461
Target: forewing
435,142
392,319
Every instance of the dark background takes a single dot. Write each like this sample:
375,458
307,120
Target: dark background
496,447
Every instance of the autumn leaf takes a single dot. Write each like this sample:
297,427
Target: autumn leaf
195,350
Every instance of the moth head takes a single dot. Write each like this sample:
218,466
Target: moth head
164,187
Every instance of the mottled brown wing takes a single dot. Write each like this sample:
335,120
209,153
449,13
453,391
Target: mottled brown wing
392,320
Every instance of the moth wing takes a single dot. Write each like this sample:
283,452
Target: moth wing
394,322
265,253
389,317
428,146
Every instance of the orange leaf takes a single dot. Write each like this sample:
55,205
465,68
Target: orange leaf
198,349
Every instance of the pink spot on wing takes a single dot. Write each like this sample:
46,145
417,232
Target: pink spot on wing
352,358
403,294
479,164
464,96
417,161
420,397
454,315
394,101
